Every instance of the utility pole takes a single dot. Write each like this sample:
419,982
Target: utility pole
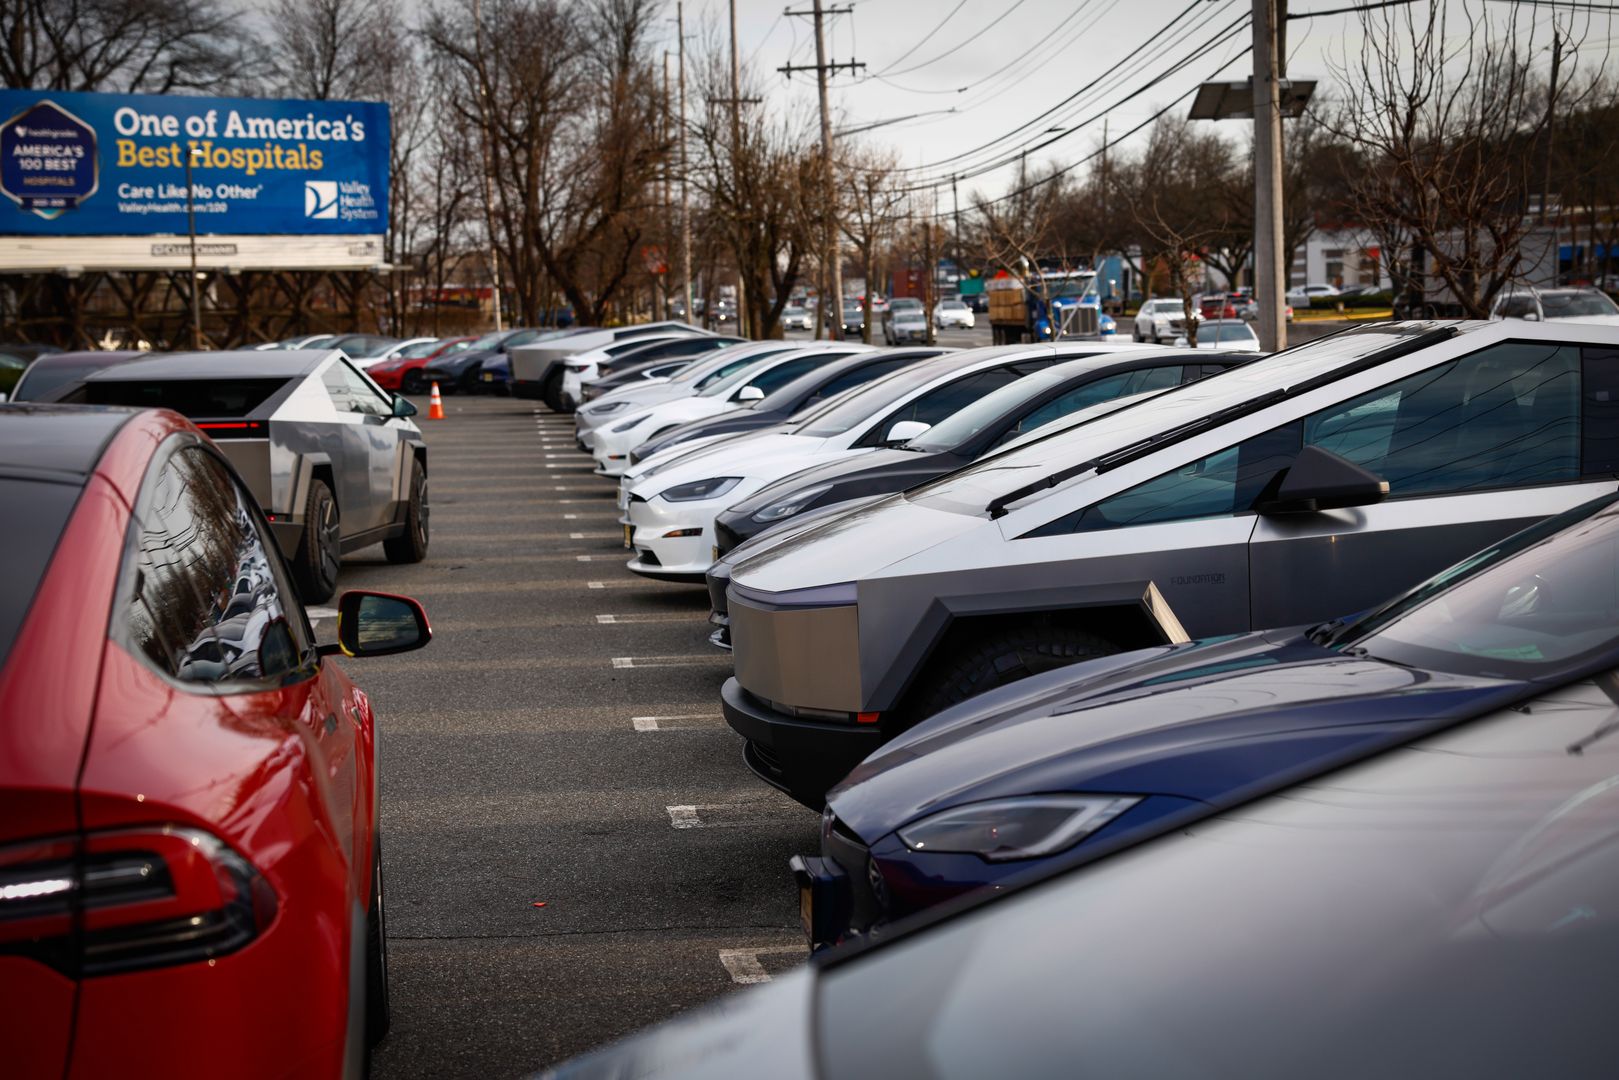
663,278
742,319
685,181
488,160
193,153
1270,275
822,69
929,301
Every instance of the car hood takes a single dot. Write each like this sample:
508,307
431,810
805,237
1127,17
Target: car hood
725,423
1217,722
880,472
743,456
852,546
662,459
637,396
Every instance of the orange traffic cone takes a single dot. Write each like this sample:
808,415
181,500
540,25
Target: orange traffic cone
435,405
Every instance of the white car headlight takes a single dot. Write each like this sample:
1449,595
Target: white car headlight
702,489
792,504
1022,828
606,407
630,424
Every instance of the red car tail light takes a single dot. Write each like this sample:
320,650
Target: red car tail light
129,899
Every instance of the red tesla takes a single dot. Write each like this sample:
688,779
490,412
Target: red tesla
190,871
403,373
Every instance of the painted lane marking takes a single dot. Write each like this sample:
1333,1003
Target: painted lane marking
316,614
744,966
681,723
622,662
647,617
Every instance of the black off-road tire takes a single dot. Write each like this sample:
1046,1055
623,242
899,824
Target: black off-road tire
1001,657
378,1010
552,393
411,545
320,552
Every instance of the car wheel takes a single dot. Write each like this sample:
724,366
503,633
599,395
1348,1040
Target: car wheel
413,382
1003,657
411,545
468,382
378,1015
320,552
552,393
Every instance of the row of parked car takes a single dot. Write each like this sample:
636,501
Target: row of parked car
1308,653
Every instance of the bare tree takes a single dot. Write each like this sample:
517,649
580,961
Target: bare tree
337,49
1448,137
128,46
871,206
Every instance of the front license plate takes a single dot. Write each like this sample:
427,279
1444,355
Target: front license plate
629,536
488,377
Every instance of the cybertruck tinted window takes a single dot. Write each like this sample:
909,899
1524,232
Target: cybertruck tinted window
191,398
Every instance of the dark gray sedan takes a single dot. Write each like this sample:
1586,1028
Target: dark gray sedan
335,461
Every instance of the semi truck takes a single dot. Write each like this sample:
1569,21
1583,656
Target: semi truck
1045,307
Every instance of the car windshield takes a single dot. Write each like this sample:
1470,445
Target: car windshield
872,398
419,350
722,360
1222,332
745,369
1573,305
964,423
793,311
489,341
971,490
905,304
191,398
42,379
1538,603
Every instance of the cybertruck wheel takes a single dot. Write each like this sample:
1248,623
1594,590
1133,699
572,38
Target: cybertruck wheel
320,552
411,545
1000,657
552,394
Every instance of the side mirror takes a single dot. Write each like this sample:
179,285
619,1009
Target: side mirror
904,432
378,624
1321,480
1531,316
749,393
402,406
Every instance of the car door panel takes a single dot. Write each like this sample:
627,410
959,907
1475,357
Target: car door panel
1312,567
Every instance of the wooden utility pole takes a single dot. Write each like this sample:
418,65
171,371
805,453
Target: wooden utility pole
488,160
742,320
928,299
662,295
1270,274
685,182
822,69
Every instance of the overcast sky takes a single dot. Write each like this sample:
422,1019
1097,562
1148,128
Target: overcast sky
1001,63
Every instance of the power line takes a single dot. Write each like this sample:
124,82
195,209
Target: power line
1061,104
1057,134
927,37
965,42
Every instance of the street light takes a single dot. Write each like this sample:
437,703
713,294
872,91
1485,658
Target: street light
195,155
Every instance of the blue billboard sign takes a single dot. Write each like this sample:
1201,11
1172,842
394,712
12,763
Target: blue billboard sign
115,165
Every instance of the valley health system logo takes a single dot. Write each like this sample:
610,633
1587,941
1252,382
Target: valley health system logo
320,199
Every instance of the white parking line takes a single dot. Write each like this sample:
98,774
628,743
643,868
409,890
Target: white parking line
585,558
647,617
575,536
669,661
316,614
654,723
684,817
744,966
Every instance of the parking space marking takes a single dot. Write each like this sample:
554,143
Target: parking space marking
316,614
744,966
633,583
648,617
675,723
622,662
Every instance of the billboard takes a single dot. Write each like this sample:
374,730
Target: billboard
75,166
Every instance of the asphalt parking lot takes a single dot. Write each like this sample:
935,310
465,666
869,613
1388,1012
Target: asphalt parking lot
558,743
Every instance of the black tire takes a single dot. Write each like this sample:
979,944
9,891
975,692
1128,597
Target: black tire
413,382
378,1010
1001,657
320,552
468,382
552,394
411,545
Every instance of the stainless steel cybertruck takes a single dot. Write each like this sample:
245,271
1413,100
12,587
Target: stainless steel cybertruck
1296,489
334,461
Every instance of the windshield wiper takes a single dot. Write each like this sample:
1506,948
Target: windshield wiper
1605,682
